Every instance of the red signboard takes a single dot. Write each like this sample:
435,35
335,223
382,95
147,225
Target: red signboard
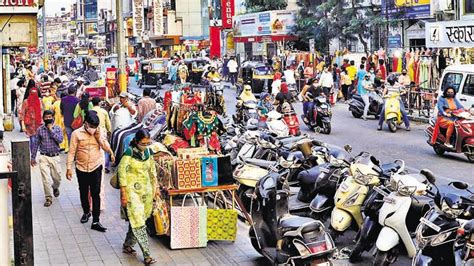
16,2
100,92
227,13
215,36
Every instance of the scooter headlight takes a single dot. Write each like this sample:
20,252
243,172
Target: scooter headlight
441,238
405,190
363,179
351,200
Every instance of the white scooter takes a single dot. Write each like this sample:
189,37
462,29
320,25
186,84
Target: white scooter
276,125
400,215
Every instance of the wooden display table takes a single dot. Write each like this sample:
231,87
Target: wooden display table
174,192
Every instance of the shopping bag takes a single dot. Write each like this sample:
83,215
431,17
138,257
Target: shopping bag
165,171
77,122
209,171
188,173
188,225
222,223
224,171
160,216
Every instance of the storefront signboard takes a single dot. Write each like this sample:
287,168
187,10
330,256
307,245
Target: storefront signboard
405,9
227,13
264,23
450,34
137,13
157,18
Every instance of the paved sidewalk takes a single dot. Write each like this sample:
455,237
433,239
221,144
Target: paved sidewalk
60,238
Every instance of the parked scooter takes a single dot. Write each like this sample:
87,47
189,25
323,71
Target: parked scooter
351,194
462,139
276,124
322,114
436,233
282,238
291,120
246,111
464,245
356,106
399,215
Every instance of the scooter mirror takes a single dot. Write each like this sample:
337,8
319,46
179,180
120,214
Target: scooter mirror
348,148
459,185
429,175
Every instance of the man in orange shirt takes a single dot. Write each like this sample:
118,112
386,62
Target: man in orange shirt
87,146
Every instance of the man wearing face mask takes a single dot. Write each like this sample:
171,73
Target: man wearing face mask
123,114
404,78
48,138
213,74
364,91
87,147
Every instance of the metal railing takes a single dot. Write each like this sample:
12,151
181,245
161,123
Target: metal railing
420,102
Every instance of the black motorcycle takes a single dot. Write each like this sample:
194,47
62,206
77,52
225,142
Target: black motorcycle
464,245
283,238
356,106
436,233
320,120
246,111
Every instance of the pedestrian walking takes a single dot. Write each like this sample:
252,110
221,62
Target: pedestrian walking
345,84
48,138
83,106
326,82
86,150
138,187
123,113
68,106
336,76
233,68
59,121
352,72
31,115
105,125
145,105
360,77
225,68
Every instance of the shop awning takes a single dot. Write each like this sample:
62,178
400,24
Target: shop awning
274,38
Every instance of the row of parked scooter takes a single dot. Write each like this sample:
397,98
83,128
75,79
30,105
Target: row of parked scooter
302,195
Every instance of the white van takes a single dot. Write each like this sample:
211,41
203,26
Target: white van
461,78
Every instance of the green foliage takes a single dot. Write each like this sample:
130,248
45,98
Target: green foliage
265,5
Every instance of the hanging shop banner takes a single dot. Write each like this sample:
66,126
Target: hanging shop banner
137,12
215,37
157,18
18,6
406,9
450,34
277,22
395,41
227,13
215,13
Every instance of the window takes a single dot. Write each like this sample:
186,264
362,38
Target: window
469,86
452,80
468,6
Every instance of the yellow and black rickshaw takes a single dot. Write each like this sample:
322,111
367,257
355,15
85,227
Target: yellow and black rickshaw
196,67
153,72
256,74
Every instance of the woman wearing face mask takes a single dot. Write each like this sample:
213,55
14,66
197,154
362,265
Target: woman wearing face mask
138,185
31,114
447,104
83,106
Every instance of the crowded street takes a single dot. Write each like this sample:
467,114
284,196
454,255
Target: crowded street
236,132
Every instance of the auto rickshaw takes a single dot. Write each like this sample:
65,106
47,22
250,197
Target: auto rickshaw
256,74
153,72
196,68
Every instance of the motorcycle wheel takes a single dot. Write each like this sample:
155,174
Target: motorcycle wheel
327,129
254,241
439,151
392,125
356,114
382,258
470,158
334,233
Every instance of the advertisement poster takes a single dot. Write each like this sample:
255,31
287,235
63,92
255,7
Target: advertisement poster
157,18
264,23
282,22
215,13
227,13
137,12
406,8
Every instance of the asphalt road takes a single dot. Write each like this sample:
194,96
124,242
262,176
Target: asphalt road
386,146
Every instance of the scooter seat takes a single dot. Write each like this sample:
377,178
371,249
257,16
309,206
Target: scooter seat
291,222
260,162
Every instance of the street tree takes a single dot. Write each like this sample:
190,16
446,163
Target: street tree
264,5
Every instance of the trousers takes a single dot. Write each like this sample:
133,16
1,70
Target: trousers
90,182
406,121
50,167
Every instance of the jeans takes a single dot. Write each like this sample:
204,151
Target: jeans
402,111
107,160
90,182
365,98
233,77
309,111
69,131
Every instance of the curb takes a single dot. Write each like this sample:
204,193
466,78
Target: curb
419,119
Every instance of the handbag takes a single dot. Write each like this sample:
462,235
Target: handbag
161,219
222,223
165,168
188,173
209,172
188,225
77,122
224,171
114,180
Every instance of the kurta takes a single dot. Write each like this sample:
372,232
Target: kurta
59,120
138,176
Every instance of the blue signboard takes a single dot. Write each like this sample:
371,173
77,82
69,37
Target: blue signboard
395,41
406,9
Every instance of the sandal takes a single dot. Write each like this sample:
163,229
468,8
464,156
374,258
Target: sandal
149,261
129,250
47,203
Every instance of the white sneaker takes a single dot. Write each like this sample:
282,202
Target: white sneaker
448,145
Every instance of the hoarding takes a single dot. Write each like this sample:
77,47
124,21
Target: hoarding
227,13
19,6
264,23
215,13
137,13
157,18
405,9
450,34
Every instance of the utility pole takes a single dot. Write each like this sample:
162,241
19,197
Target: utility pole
45,44
122,73
84,21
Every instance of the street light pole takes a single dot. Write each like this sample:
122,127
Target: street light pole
120,41
45,44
